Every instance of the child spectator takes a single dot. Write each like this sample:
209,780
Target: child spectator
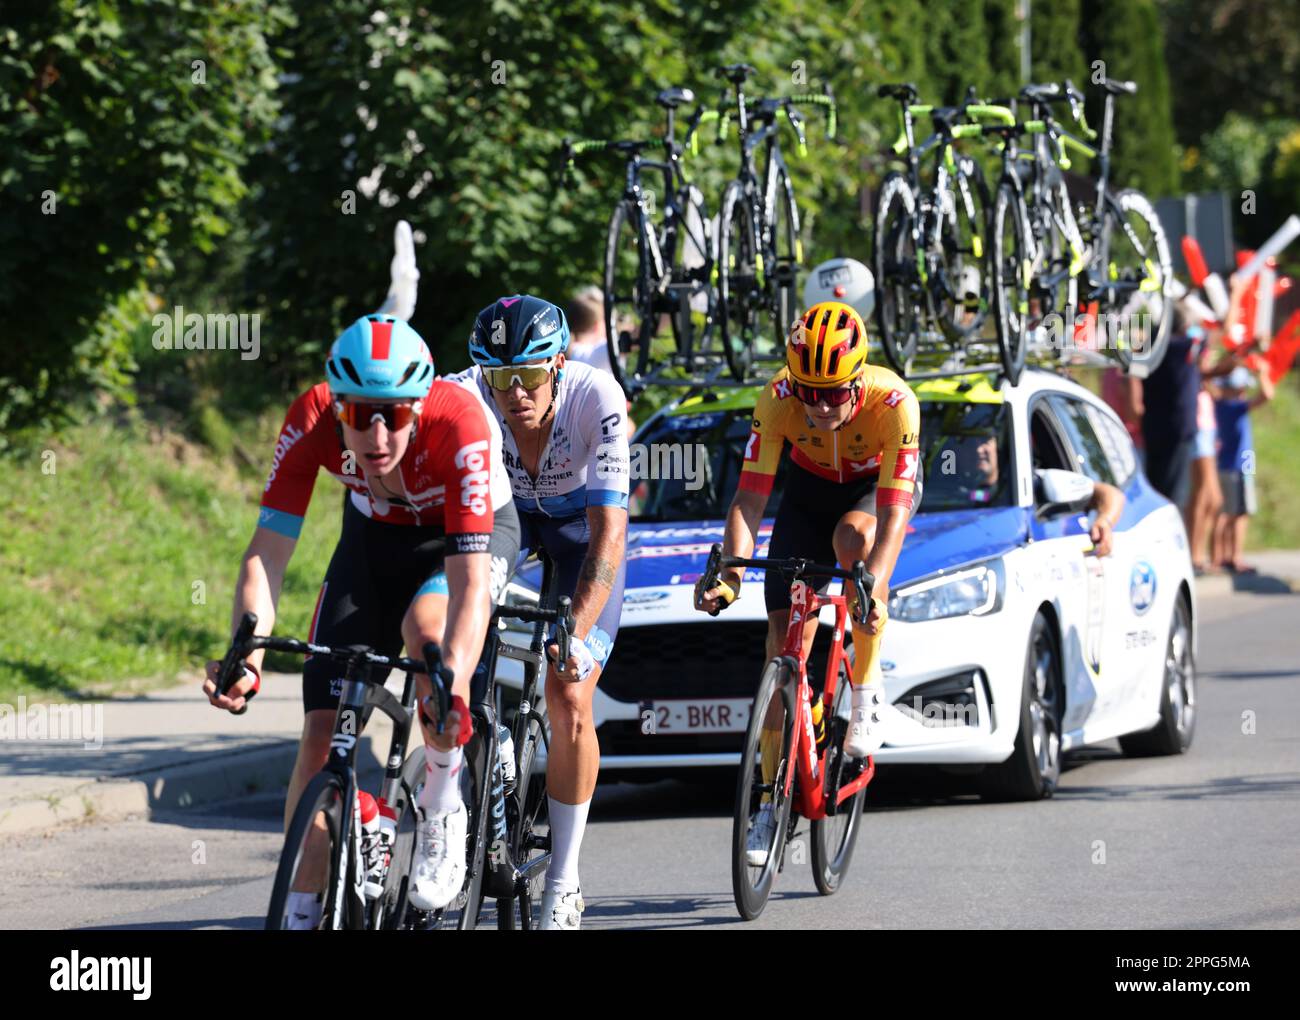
1237,462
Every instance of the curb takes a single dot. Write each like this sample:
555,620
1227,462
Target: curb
175,787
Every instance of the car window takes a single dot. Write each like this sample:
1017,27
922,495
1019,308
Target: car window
1119,447
966,453
1089,454
1047,446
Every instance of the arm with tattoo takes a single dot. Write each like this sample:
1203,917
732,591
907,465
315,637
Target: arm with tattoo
600,566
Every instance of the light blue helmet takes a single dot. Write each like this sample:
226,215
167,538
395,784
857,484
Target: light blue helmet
381,357
516,329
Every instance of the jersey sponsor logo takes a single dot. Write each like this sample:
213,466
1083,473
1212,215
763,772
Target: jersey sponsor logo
470,542
858,467
782,388
283,445
751,447
1142,587
905,465
476,482
895,398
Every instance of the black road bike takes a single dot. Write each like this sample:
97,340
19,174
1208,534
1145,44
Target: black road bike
657,265
759,247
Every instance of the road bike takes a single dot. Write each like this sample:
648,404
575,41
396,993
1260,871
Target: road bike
807,777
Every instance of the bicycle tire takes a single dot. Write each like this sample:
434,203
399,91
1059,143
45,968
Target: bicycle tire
529,845
1160,309
738,297
786,252
397,881
324,795
1010,289
834,837
690,253
898,283
751,891
627,300
962,237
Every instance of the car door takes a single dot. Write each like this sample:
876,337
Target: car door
1113,625
1062,574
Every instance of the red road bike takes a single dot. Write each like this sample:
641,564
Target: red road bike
810,778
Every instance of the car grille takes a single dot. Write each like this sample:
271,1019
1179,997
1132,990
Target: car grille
700,660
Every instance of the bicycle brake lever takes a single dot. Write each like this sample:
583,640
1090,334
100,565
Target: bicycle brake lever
235,655
563,631
441,678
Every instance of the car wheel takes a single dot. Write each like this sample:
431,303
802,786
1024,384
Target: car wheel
1034,768
1173,733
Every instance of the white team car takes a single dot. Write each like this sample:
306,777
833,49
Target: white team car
1008,642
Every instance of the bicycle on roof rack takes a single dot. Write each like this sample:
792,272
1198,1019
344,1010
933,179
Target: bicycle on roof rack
759,247
657,265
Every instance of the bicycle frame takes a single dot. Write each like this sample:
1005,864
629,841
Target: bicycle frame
817,795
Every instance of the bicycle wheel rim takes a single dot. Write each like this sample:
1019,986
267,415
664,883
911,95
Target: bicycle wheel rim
785,243
834,837
1140,321
962,237
894,255
628,318
530,836
737,283
691,259
1011,291
752,885
321,807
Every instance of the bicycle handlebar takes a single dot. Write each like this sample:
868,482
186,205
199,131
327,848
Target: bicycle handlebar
561,616
245,641
862,581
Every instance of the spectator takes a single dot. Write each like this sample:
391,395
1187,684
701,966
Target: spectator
586,314
1237,463
1168,409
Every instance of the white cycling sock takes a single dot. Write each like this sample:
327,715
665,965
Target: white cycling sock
306,906
568,821
441,790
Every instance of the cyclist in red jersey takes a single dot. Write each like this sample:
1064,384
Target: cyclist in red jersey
412,564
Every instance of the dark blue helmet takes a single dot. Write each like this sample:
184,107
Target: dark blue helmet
518,329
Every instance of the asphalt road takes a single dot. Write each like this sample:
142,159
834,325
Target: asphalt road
1206,840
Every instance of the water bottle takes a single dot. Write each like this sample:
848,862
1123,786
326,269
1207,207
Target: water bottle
506,755
371,850
387,831
819,722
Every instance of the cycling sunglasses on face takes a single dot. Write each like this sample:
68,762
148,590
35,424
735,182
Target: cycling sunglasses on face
359,414
833,395
528,376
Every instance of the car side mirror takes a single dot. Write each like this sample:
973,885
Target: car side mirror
1060,491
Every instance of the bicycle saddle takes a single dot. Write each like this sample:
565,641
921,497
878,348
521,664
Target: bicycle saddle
672,98
905,91
1119,88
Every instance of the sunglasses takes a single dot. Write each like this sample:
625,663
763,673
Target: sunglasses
359,414
833,395
528,376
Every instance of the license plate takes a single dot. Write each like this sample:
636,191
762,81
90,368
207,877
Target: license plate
697,715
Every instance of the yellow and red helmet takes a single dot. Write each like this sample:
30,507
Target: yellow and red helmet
828,346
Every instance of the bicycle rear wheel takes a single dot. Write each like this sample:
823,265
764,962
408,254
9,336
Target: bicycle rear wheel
1139,311
1010,286
900,298
752,883
834,837
629,316
963,233
322,816
739,296
783,216
692,251
530,843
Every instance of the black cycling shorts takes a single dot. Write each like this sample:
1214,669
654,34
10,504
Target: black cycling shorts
811,507
376,572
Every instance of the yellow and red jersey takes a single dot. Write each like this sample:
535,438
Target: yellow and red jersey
879,440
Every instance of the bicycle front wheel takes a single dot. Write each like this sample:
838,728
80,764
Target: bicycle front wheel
315,858
1010,279
783,215
739,293
834,837
756,851
963,230
530,843
629,316
900,298
1139,310
691,250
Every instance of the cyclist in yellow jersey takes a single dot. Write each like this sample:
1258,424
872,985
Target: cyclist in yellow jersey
855,482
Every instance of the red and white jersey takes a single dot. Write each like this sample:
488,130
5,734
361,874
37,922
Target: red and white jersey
445,474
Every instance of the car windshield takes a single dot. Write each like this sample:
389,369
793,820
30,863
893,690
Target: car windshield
685,467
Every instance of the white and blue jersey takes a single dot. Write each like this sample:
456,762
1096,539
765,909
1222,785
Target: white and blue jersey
586,458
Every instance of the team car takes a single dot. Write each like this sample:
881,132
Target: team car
1009,642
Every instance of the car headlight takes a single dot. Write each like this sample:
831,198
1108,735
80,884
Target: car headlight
975,591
